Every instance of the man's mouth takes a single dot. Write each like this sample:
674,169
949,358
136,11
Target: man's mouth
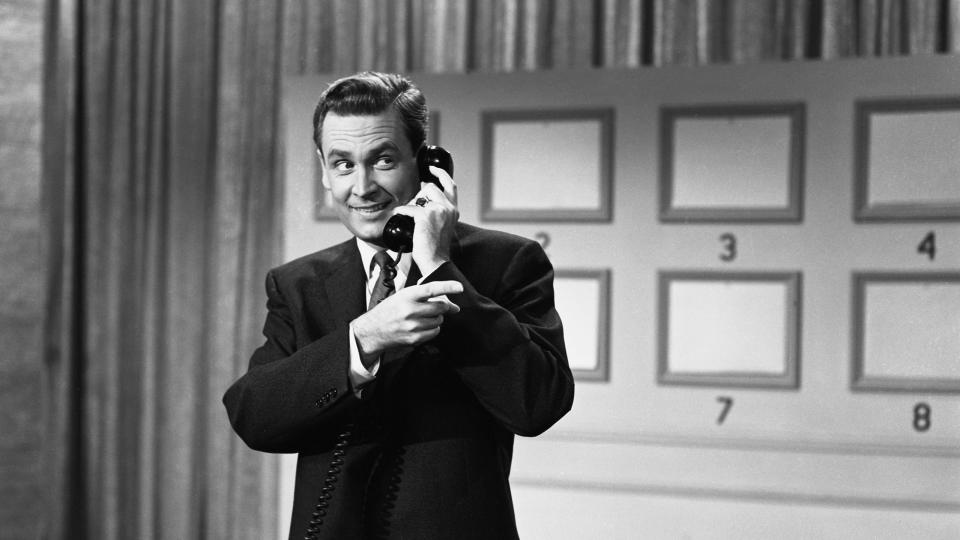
369,208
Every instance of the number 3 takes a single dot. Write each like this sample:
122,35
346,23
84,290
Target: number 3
729,242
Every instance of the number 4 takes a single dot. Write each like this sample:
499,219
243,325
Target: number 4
928,245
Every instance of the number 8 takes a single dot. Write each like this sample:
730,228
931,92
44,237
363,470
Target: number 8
921,417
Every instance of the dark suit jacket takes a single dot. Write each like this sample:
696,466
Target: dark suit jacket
426,452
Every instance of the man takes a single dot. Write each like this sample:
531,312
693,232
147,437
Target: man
403,414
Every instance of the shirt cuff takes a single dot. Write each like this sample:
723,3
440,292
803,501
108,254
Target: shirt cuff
359,375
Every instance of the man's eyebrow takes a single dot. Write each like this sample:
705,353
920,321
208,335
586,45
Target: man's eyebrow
335,152
373,150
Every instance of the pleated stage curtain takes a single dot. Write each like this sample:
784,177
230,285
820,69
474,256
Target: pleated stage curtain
161,190
457,36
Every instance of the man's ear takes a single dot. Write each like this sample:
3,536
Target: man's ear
323,171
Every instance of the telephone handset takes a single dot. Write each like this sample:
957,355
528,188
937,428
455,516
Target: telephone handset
398,232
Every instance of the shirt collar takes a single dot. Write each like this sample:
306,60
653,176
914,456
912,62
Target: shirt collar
368,250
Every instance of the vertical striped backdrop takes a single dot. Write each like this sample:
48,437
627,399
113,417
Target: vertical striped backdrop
458,36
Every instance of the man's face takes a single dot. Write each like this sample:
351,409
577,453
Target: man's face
369,168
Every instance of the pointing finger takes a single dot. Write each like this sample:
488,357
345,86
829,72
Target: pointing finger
447,305
434,289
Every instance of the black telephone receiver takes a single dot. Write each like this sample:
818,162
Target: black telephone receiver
398,232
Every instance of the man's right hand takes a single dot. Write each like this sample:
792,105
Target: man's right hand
411,316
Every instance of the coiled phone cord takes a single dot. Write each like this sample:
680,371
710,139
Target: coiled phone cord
326,493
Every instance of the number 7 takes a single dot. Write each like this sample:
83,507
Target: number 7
727,405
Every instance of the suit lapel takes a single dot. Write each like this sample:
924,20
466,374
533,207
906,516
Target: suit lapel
345,286
413,276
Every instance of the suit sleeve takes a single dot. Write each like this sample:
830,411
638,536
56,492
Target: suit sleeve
289,397
508,348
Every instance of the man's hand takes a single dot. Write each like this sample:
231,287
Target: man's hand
434,221
411,316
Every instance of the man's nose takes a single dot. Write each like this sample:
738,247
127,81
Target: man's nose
365,182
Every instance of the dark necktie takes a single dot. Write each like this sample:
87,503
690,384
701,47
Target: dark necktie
384,286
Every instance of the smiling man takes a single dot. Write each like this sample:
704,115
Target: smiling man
401,379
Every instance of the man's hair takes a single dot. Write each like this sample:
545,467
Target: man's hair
371,93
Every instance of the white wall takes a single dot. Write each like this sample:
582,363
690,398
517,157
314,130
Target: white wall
635,459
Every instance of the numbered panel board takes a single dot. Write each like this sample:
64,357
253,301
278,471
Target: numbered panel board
717,424
906,329
729,329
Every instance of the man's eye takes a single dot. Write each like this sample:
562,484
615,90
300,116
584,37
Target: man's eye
384,162
343,166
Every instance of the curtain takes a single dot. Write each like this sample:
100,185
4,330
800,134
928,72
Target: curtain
160,188
457,36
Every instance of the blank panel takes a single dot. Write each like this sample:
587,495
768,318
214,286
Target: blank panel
732,162
736,163
577,303
729,328
907,167
547,164
582,298
914,157
912,330
722,327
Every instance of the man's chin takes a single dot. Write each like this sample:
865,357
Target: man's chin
370,232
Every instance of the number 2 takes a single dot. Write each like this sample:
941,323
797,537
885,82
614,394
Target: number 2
543,238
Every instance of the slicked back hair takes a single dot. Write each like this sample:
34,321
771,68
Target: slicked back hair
372,93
